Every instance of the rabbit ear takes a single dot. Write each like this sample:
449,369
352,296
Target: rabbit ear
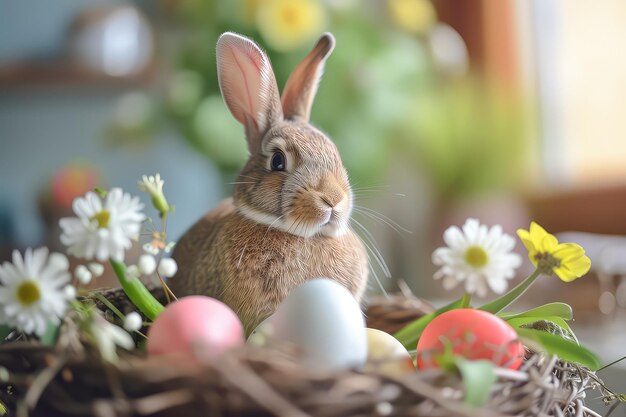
302,84
248,86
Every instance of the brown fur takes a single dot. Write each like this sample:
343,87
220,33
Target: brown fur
281,228
252,267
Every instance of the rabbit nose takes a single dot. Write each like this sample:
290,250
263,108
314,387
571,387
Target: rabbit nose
330,202
331,193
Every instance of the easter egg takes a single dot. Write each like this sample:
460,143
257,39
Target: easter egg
195,324
473,334
324,322
386,355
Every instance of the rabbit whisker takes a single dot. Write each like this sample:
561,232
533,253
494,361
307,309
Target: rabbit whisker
294,224
369,238
272,224
357,187
241,256
373,270
248,177
359,192
381,218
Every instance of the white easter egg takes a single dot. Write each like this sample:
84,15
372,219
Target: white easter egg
386,355
324,322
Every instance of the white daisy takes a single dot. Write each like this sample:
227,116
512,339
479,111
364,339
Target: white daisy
102,229
34,290
479,256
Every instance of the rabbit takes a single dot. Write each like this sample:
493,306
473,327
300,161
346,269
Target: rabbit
288,219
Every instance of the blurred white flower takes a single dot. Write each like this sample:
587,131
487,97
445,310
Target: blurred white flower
153,185
83,275
151,249
133,321
167,267
96,269
102,230
168,248
147,264
34,290
479,257
108,336
70,292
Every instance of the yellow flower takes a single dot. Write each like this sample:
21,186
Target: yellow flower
414,16
288,24
566,260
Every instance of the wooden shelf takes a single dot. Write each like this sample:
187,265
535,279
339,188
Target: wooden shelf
29,74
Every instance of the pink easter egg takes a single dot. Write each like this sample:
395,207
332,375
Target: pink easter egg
195,324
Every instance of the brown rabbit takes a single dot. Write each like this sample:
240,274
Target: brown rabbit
288,220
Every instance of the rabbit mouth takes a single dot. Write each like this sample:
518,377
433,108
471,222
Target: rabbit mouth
328,224
333,228
331,223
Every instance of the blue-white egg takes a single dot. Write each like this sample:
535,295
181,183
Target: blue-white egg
323,321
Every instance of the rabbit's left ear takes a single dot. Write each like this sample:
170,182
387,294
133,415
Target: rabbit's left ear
302,84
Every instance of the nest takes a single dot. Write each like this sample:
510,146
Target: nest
71,380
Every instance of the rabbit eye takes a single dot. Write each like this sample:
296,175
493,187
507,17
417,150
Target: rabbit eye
278,161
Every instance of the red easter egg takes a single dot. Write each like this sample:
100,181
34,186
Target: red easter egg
473,334
195,324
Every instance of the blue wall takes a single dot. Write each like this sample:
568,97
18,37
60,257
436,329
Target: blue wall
43,130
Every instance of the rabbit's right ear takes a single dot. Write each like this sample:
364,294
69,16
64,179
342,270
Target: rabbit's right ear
248,86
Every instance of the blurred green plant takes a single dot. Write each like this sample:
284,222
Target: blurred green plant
470,137
380,63
385,93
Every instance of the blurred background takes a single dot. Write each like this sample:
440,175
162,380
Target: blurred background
499,109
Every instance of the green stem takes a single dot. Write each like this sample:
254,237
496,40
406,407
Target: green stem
137,292
612,363
505,300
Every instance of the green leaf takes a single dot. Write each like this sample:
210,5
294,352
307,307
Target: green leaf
4,332
478,379
561,310
556,345
518,322
410,334
50,336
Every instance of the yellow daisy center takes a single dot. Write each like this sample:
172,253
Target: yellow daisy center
476,256
28,293
102,218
